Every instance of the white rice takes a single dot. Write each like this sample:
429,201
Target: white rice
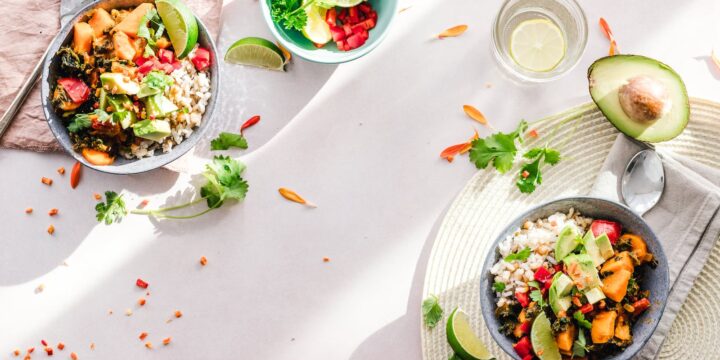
190,93
540,236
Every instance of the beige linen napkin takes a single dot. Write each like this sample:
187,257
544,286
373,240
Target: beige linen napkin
686,221
28,28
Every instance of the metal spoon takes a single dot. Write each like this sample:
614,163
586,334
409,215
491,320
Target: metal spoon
643,181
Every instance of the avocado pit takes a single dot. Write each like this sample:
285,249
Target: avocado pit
644,98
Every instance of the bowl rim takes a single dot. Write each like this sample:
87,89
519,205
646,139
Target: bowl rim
505,342
341,57
58,41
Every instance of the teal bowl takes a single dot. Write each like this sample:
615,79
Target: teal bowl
294,41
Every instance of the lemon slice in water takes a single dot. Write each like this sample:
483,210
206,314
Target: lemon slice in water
537,45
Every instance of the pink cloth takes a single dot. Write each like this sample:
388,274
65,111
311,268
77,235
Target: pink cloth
27,28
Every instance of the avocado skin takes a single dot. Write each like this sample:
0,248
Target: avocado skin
630,57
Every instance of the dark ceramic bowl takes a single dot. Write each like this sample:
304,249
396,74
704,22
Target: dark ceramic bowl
656,280
121,165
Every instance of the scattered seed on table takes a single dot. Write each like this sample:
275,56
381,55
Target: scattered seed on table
28,210
143,204
38,290
53,212
30,350
143,335
43,342
73,356
141,301
166,340
128,312
141,283
51,229
326,259
60,346
49,350
97,196
148,345
46,181
16,352
61,170
203,261
92,346
178,314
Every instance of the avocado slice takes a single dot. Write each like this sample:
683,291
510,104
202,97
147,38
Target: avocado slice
604,246
591,248
567,242
594,295
562,283
117,83
155,130
124,118
642,97
159,106
558,295
581,268
102,99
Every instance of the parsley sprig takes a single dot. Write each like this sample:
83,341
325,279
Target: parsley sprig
431,310
223,183
290,13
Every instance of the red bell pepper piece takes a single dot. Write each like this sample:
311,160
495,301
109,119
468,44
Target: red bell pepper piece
355,41
147,66
367,24
611,228
338,34
201,59
166,56
353,15
342,15
523,347
141,60
542,275
546,287
557,267
586,308
525,327
331,17
528,357
75,88
523,298
640,306
141,284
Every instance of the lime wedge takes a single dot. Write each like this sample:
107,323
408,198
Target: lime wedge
537,45
462,338
542,339
256,51
316,29
341,3
181,25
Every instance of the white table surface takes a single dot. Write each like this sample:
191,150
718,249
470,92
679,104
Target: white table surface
361,140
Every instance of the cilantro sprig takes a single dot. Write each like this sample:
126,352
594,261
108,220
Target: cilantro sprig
521,255
84,121
151,29
226,140
431,310
580,319
290,13
580,345
530,173
224,182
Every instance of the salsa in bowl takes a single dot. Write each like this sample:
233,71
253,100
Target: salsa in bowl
577,277
128,86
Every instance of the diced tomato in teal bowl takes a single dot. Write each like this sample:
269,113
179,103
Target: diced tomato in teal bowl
334,34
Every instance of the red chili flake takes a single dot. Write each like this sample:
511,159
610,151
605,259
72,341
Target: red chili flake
143,335
143,203
166,341
16,352
250,122
27,357
43,342
46,181
203,261
97,196
30,350
53,212
326,259
51,229
73,356
29,210
49,350
533,133
141,301
525,174
60,346
61,170
140,283
178,314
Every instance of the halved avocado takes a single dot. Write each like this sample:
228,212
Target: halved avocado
642,97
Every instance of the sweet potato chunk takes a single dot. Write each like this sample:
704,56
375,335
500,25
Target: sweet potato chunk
615,285
639,247
603,327
123,47
565,339
82,37
617,262
101,21
130,24
622,328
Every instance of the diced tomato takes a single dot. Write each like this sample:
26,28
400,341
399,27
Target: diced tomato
141,60
586,308
611,228
546,287
331,17
373,15
523,347
367,24
176,64
640,306
356,29
353,15
528,357
348,29
75,88
201,59
338,34
525,327
523,298
166,56
141,283
364,8
542,274
355,41
342,15
557,267
147,66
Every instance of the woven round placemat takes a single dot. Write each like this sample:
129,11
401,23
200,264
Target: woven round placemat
490,200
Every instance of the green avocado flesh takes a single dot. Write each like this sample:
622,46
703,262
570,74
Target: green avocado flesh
609,74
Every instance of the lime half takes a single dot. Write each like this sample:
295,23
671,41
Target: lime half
316,29
462,338
542,339
181,25
256,51
341,3
537,45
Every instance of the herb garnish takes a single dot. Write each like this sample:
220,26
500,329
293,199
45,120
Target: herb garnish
579,346
84,121
227,140
580,319
431,310
151,33
289,13
498,286
530,174
521,255
223,183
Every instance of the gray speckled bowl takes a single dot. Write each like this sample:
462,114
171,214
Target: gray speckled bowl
657,280
122,165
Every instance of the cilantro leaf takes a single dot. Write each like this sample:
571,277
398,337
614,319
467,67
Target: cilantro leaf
84,121
536,295
227,140
521,255
112,210
150,29
534,284
580,319
498,148
552,156
157,80
431,310
579,346
224,181
498,286
530,176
